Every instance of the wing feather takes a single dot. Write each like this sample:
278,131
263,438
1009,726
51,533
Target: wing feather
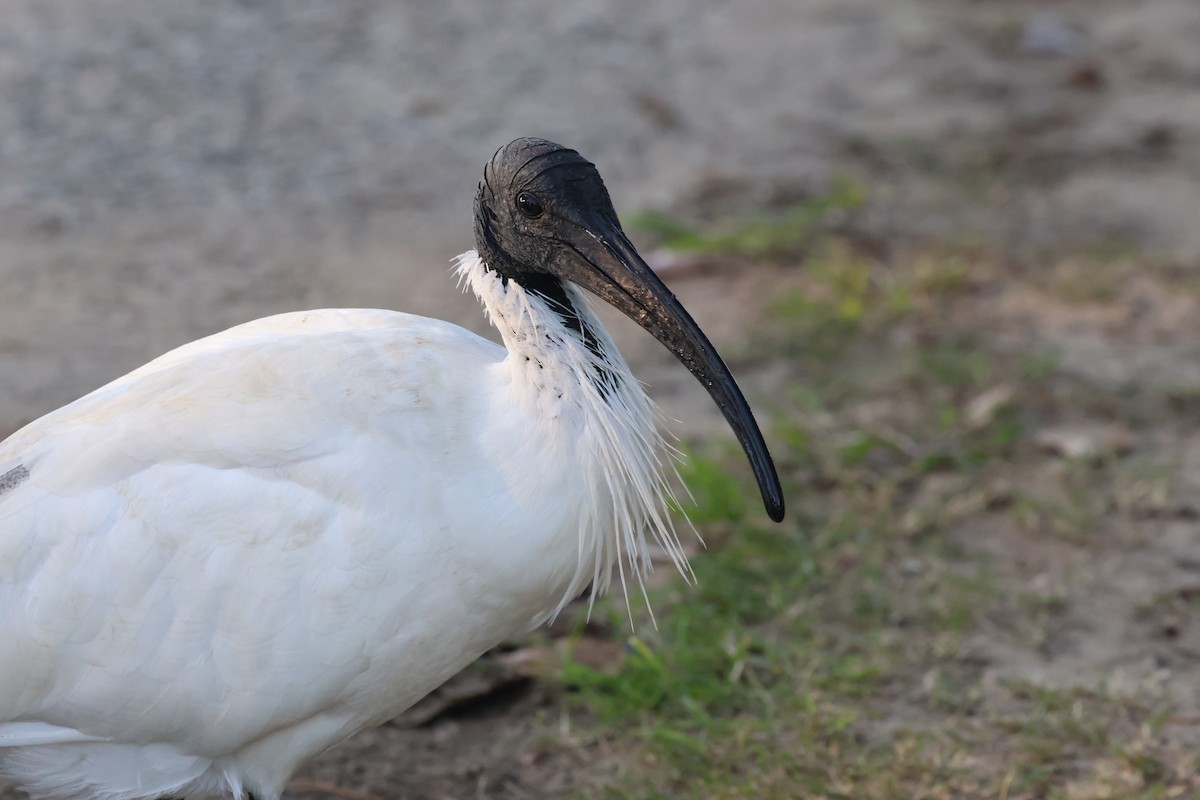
177,541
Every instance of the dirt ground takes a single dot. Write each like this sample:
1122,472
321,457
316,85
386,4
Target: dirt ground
170,169
174,168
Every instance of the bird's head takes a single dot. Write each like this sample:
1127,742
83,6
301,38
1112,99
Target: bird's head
543,214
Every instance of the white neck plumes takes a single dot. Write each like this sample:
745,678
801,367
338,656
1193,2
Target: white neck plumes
592,396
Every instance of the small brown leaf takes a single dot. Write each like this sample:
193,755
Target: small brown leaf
535,661
1089,440
983,408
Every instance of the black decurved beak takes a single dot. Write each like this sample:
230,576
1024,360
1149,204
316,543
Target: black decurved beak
609,267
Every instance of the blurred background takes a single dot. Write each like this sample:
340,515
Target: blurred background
950,247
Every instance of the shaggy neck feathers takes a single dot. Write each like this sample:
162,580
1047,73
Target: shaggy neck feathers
566,364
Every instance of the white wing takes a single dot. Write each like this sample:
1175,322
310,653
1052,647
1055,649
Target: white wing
220,550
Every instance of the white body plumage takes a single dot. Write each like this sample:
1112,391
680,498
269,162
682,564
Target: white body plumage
245,551
242,553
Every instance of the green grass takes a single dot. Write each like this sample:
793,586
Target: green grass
776,235
831,657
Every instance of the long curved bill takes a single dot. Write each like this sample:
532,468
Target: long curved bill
610,268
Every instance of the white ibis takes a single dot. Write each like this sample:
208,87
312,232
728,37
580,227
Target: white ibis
258,544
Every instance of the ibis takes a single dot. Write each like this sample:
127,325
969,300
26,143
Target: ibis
247,550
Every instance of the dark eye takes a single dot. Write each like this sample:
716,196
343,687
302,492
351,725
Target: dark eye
530,206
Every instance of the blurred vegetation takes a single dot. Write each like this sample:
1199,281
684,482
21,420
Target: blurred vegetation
829,657
774,235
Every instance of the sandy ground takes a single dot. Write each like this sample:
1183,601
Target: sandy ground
170,169
174,168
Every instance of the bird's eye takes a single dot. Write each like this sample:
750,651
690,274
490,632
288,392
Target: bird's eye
530,206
